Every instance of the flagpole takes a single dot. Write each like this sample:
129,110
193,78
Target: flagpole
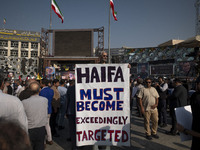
4,22
109,36
50,26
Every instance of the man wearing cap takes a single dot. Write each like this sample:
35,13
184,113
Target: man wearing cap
177,99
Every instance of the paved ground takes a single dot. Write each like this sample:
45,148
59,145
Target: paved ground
138,140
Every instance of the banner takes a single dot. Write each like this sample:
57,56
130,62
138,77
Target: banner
186,69
102,104
50,72
143,70
162,69
68,75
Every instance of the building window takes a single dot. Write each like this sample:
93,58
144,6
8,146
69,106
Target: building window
24,45
24,53
14,53
14,44
34,53
34,45
3,52
3,43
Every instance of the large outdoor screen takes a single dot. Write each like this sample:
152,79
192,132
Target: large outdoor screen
73,42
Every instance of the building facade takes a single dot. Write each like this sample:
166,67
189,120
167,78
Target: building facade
174,58
19,52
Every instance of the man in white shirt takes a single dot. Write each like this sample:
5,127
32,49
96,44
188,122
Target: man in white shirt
148,97
161,88
11,107
18,90
63,91
137,89
36,110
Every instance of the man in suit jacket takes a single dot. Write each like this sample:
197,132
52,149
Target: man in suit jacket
47,92
177,99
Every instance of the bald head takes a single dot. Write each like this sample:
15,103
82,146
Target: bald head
27,82
34,87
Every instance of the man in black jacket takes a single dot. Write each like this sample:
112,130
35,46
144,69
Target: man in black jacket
177,99
161,88
195,106
71,114
8,84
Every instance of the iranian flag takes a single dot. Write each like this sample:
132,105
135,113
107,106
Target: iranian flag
113,11
56,9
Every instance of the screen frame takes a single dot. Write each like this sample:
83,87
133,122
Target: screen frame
74,30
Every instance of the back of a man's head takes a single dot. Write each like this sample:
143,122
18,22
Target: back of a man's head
12,136
8,82
71,82
45,82
177,80
34,87
18,82
55,81
140,81
62,82
27,82
1,79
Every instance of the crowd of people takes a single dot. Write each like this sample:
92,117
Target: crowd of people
39,108
155,98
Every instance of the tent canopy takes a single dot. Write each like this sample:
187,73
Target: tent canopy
191,42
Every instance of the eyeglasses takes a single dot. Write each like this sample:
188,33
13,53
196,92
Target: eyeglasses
105,56
148,82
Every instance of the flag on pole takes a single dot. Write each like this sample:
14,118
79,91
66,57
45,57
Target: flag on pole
113,11
20,79
4,21
56,9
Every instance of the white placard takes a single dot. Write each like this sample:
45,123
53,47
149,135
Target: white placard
184,117
102,104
